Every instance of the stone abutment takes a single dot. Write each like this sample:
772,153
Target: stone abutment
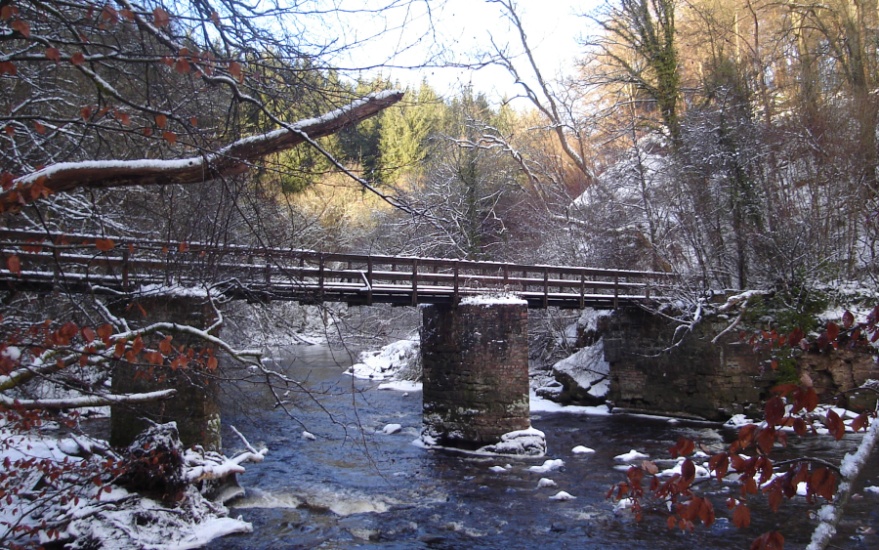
475,372
194,407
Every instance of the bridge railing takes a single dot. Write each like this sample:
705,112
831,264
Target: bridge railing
94,263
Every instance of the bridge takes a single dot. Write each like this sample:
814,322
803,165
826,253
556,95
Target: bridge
474,353
38,261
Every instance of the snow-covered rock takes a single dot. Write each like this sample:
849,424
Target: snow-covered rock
528,442
584,375
546,482
391,429
547,466
562,495
399,360
631,456
581,450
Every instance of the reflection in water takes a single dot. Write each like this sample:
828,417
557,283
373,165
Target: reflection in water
355,485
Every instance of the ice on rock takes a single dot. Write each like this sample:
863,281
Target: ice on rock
308,436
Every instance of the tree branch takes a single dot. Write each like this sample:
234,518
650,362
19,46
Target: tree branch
234,158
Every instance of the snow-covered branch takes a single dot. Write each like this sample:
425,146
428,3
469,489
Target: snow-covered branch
232,159
86,401
852,465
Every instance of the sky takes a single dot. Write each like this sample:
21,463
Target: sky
458,31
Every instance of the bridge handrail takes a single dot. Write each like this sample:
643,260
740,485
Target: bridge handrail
131,258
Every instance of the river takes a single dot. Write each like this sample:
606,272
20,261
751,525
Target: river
355,486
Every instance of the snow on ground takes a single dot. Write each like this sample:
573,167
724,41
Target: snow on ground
104,515
539,404
399,360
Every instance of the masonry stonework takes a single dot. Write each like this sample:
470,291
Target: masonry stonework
475,373
194,407
699,379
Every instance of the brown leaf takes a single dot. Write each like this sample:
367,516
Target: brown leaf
741,516
78,58
165,346
169,136
161,18
182,66
8,67
774,410
53,54
848,319
768,541
649,467
235,70
104,332
835,425
109,14
88,334
86,112
688,471
7,12
14,265
860,422
104,245
832,331
823,483
810,400
22,27
719,464
161,120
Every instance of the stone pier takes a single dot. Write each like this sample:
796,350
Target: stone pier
475,372
194,408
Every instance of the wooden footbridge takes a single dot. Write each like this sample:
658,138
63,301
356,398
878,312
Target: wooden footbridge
35,261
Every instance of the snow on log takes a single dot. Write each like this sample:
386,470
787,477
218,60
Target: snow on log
234,158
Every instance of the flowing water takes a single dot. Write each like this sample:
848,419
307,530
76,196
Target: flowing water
354,486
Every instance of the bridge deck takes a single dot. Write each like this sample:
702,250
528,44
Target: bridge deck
76,263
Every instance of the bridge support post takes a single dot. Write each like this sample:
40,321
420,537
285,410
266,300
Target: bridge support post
194,408
475,372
